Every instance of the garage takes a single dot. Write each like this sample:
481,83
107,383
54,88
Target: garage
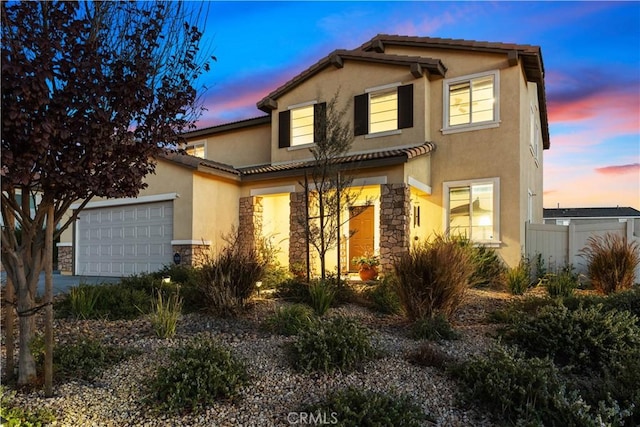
123,240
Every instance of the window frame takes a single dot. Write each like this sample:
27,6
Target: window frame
298,107
194,146
495,182
403,109
446,91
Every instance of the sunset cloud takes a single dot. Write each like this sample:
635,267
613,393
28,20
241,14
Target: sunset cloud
619,169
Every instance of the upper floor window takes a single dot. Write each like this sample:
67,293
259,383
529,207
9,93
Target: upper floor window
472,209
471,102
302,124
383,109
197,150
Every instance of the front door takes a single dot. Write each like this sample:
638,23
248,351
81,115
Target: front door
361,227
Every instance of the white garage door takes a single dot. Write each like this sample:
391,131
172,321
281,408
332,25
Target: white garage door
124,240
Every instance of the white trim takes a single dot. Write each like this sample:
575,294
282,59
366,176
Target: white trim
446,128
302,104
301,147
64,244
191,242
496,204
272,190
419,185
128,201
383,87
385,133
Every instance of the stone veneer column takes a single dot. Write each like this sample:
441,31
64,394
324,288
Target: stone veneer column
250,219
65,259
297,234
395,205
192,254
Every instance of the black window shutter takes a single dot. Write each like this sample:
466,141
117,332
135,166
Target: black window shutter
320,122
284,131
405,106
361,114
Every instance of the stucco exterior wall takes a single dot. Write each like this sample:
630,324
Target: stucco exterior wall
241,147
353,79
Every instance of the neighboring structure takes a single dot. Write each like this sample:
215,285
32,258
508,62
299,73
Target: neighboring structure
448,137
565,216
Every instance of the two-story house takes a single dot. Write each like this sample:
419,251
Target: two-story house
448,137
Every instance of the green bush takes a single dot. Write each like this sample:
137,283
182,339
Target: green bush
611,262
86,359
165,314
383,297
184,280
338,343
321,296
517,389
83,300
628,300
197,375
294,290
433,329
586,339
433,278
517,278
16,416
290,319
228,280
353,407
562,284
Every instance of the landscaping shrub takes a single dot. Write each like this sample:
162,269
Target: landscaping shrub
83,300
354,407
433,278
517,278
383,297
294,290
165,314
611,262
321,295
86,359
521,390
16,416
290,319
429,355
628,300
433,329
338,343
586,339
197,375
184,280
228,280
562,284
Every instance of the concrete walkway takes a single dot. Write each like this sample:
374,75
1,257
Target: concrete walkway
62,283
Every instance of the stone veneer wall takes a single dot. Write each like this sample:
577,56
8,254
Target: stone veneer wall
250,221
297,234
65,259
395,205
193,254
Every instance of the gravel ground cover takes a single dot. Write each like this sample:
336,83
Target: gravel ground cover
276,391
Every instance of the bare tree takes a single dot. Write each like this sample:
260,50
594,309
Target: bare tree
327,188
92,93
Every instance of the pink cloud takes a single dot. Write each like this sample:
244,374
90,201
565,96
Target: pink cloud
619,169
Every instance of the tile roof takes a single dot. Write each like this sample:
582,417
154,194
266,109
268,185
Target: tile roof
369,159
605,212
254,121
531,60
194,162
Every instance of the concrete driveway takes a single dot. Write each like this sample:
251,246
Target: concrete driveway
62,283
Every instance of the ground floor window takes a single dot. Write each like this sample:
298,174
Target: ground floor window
472,209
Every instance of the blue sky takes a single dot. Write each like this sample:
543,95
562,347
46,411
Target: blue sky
591,53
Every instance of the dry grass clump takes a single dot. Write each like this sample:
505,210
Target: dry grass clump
612,261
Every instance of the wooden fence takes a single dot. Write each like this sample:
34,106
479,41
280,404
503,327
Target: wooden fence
560,245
